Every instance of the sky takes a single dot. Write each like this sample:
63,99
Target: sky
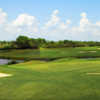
50,19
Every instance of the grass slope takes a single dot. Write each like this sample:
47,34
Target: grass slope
64,79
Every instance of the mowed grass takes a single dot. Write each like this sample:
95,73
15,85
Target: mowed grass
51,53
64,79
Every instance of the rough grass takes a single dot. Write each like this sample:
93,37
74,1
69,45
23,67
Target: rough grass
64,79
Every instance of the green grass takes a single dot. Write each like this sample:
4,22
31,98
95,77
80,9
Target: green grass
64,79
51,53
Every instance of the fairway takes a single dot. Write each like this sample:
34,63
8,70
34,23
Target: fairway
64,79
52,53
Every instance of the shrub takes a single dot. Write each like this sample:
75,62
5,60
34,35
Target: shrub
12,62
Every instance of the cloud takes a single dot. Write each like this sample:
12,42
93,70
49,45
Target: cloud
24,19
84,20
3,23
3,17
24,24
53,29
54,20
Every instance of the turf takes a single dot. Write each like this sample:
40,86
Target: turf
79,52
64,79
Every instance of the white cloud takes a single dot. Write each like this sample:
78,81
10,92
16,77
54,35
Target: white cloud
53,29
84,20
24,19
98,23
54,20
3,17
24,24
3,23
84,14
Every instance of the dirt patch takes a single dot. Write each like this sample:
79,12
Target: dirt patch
5,75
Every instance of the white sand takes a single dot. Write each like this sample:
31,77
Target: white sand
88,51
82,52
93,73
5,75
92,51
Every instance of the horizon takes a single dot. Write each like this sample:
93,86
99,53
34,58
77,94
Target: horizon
55,20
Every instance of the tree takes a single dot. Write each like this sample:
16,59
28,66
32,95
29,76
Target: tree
23,42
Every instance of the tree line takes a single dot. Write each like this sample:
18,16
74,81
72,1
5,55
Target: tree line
24,42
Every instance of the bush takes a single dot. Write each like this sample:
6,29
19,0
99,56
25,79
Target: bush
12,62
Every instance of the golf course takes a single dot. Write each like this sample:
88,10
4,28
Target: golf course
51,74
49,49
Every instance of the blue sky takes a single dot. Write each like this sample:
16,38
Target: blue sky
43,10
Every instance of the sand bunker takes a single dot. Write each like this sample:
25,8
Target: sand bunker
93,73
5,75
92,51
82,51
88,51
